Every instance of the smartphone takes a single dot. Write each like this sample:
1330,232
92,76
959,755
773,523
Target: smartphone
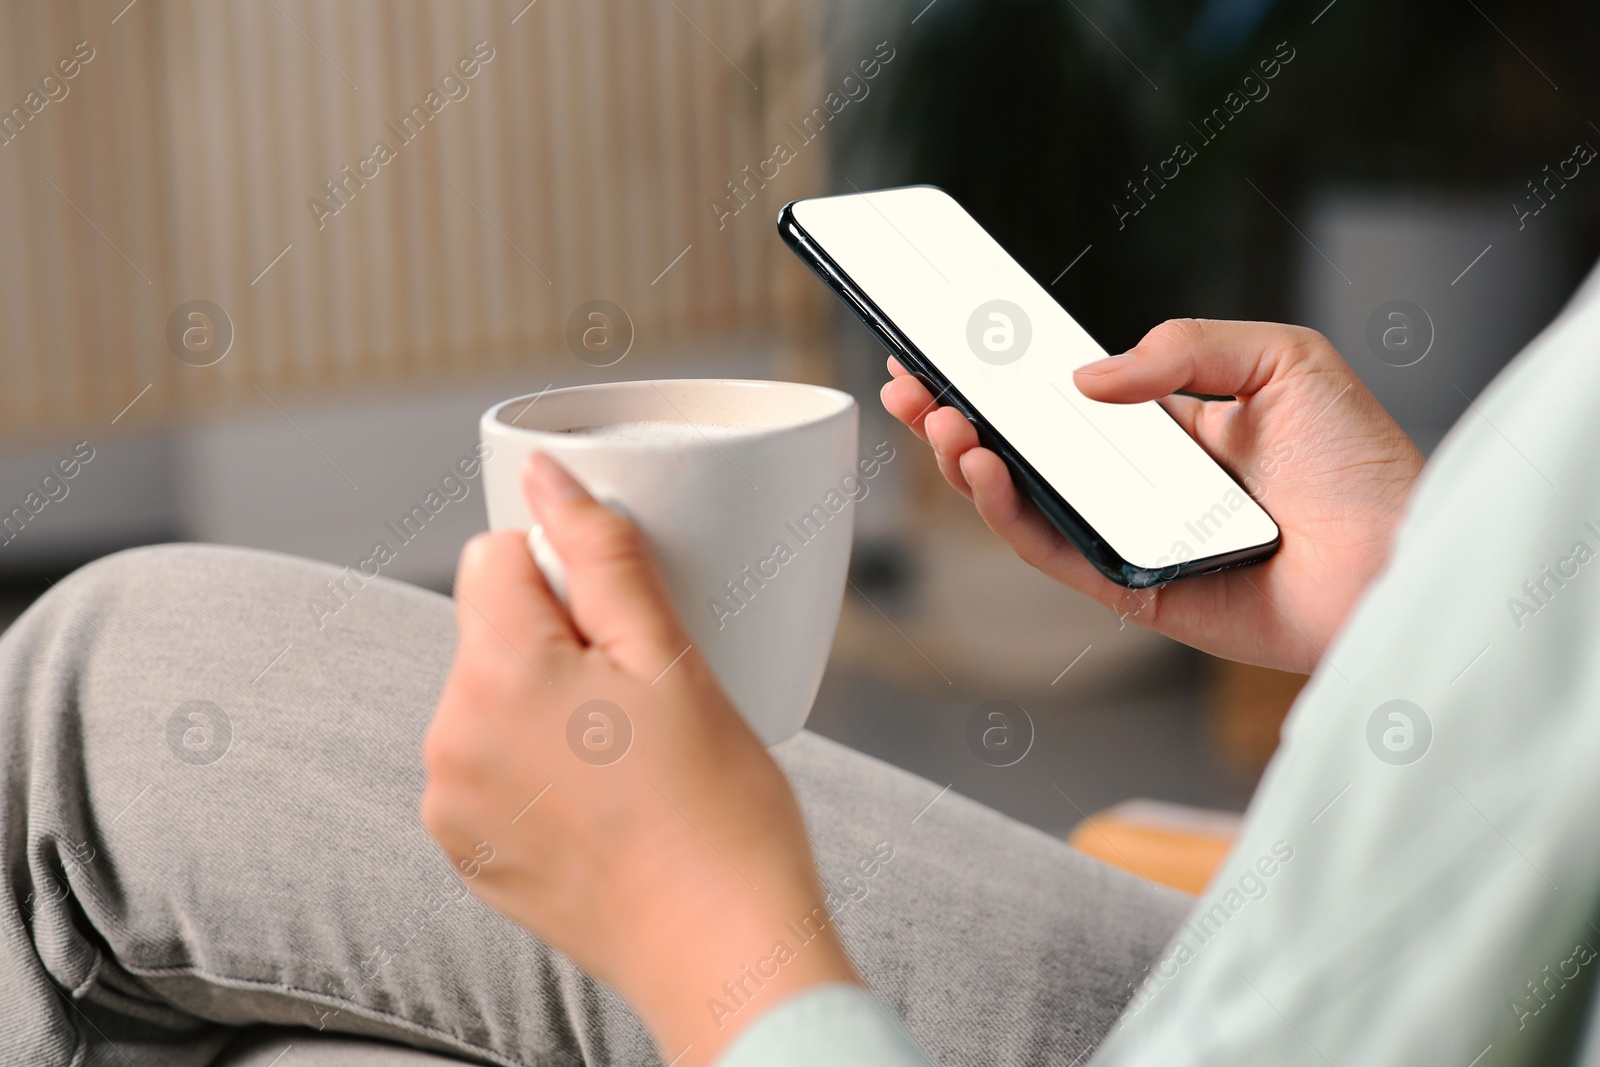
1124,483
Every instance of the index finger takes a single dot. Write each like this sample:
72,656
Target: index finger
619,598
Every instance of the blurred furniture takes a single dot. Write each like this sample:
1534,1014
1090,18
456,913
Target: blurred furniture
1245,708
1169,844
1484,289
987,619
1180,845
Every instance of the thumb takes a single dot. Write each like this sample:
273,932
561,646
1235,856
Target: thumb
1215,358
618,598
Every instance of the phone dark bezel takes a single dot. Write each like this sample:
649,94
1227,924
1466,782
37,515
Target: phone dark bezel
1044,496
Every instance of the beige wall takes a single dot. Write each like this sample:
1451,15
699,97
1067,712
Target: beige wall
583,157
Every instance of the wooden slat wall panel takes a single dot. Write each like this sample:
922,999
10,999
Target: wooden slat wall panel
78,243
583,159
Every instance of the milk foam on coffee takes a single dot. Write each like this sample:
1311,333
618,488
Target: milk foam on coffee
656,431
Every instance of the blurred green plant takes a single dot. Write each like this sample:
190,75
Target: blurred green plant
1036,114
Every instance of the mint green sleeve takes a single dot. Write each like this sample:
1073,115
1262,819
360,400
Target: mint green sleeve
838,1025
1417,880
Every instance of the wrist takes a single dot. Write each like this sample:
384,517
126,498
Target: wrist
706,972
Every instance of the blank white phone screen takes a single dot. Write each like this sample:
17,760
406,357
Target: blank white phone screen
1002,341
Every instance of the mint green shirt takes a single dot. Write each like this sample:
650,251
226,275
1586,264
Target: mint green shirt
836,1025
1418,878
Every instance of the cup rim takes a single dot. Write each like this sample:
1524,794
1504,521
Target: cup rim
493,420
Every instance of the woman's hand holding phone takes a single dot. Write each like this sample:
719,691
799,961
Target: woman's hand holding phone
1303,432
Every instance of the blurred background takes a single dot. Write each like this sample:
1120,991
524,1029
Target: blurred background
270,259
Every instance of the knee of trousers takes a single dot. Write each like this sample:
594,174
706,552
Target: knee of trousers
193,735
159,608
176,653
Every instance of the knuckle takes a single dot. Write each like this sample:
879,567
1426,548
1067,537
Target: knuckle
493,677
1176,333
614,538
431,810
1304,337
474,559
481,552
1303,348
436,754
1138,606
434,811
475,553
432,752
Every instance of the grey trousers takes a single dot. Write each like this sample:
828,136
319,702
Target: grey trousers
212,854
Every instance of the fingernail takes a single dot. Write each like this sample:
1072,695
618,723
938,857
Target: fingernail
1100,367
551,480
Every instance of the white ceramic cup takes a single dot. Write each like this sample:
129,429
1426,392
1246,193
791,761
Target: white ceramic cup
739,500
